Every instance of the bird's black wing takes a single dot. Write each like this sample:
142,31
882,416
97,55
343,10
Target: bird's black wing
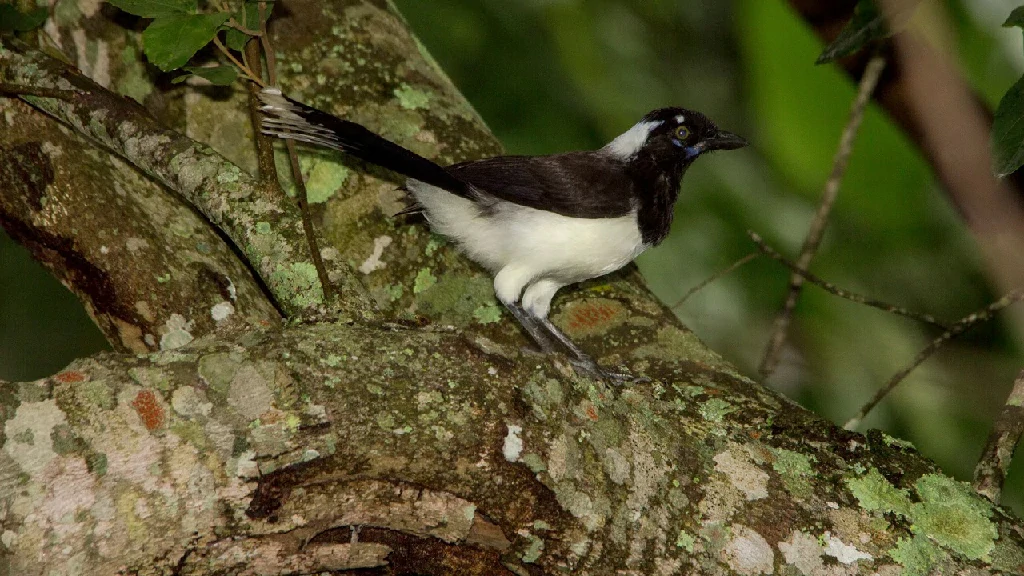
577,184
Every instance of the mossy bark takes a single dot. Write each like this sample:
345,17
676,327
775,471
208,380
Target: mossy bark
428,442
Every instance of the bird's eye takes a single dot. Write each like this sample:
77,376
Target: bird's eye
682,132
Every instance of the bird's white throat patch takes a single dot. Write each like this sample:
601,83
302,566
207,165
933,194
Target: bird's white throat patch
627,144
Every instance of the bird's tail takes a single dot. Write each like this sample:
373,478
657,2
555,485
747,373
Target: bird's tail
286,118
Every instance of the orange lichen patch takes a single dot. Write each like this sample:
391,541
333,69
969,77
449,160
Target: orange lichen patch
149,409
589,410
71,377
592,316
272,416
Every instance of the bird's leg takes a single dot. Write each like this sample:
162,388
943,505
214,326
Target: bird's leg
533,328
581,360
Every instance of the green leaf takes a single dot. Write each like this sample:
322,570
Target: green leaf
170,41
1008,132
868,24
1016,18
156,8
248,16
11,19
217,75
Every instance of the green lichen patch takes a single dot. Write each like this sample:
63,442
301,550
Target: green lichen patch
96,393
411,98
424,281
715,409
948,514
875,493
488,314
299,283
685,541
954,516
324,177
917,555
457,299
795,471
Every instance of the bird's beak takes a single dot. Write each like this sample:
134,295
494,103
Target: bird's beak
724,141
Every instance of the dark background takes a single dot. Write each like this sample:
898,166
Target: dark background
555,75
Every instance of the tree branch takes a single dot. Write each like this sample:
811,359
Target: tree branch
243,454
925,94
151,273
997,456
265,229
868,82
831,288
963,325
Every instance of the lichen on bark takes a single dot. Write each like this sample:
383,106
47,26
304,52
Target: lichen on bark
433,442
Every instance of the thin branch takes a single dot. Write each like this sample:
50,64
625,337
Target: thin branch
957,329
249,74
868,83
268,48
232,23
22,90
837,291
238,205
715,277
264,144
995,460
293,161
307,220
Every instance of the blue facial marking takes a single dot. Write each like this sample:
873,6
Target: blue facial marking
691,152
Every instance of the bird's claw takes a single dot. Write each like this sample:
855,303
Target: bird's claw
587,367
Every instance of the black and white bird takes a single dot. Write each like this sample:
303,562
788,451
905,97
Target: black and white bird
538,223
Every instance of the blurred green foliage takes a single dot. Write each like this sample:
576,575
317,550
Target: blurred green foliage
554,75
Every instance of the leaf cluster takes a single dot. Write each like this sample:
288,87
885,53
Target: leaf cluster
179,30
1008,124
870,25
11,20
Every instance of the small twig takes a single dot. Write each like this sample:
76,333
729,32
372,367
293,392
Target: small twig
714,277
293,161
249,74
307,221
268,49
267,168
837,291
22,90
955,330
232,23
995,460
868,83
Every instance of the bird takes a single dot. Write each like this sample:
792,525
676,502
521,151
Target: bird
537,223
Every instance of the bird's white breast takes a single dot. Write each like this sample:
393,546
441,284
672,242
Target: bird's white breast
542,243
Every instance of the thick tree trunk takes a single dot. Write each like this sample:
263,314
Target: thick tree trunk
403,430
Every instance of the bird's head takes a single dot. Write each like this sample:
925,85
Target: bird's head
672,138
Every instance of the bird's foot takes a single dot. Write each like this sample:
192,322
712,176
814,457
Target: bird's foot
588,367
